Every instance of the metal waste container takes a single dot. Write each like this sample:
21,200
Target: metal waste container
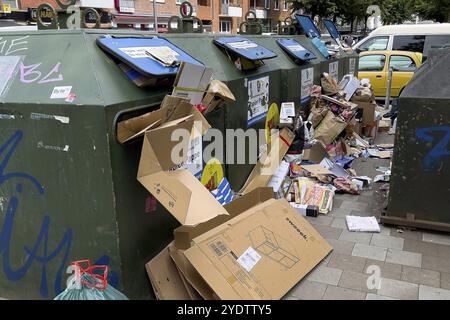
419,189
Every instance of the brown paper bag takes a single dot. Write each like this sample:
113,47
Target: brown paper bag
330,127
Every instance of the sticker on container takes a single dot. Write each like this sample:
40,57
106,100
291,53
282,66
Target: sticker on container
212,174
258,100
272,120
194,161
162,52
61,92
242,45
71,97
352,66
307,79
333,70
249,259
296,47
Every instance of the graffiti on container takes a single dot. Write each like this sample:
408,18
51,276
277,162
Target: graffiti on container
8,47
31,74
432,160
38,253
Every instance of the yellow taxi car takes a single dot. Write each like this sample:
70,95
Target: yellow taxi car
375,66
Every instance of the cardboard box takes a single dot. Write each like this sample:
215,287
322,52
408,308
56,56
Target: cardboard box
329,128
316,153
172,108
191,82
165,278
179,191
368,112
259,254
184,235
217,94
269,160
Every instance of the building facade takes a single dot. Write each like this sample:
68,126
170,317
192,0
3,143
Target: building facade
218,16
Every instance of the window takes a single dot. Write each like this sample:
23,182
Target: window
178,1
225,26
285,6
409,43
12,3
276,4
267,4
376,43
373,62
402,63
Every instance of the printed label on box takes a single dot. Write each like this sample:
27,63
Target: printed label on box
258,99
249,259
306,84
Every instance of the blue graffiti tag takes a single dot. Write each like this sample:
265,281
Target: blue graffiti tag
6,152
432,159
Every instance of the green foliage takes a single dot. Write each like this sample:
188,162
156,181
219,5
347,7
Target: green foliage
437,10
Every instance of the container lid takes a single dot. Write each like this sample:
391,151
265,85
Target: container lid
244,48
308,26
331,27
153,57
294,49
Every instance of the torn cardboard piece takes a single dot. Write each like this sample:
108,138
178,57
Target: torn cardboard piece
165,279
288,247
316,153
217,94
172,108
179,191
269,160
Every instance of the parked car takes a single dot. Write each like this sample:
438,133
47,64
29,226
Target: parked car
414,38
375,66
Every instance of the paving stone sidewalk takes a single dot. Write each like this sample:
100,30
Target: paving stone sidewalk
413,264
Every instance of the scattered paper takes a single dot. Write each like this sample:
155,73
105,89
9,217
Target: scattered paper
279,175
362,224
335,169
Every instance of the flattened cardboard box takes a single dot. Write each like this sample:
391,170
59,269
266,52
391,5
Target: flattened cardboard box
260,254
165,279
179,191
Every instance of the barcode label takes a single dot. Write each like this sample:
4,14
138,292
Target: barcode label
219,248
249,259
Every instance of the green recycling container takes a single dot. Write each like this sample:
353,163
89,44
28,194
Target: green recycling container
419,186
68,189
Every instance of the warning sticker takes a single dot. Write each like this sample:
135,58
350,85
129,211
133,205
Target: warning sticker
249,259
333,68
307,77
258,99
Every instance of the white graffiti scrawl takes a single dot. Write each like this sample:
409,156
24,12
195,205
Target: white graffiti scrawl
8,47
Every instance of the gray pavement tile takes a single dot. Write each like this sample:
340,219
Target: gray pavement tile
362,213
372,296
387,270
369,252
337,203
354,206
445,280
435,263
360,237
325,275
308,290
339,212
385,230
412,245
407,234
443,251
439,238
339,223
338,293
406,258
421,276
431,293
355,281
380,240
340,246
347,262
324,220
328,232
366,198
398,289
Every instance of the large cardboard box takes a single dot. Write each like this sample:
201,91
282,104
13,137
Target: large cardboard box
259,254
368,108
191,82
269,160
178,190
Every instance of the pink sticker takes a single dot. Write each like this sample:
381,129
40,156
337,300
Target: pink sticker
71,97
150,204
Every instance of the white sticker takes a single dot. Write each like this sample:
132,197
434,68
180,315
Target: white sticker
242,44
141,52
258,100
352,66
296,47
287,110
249,259
61,92
306,83
333,68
